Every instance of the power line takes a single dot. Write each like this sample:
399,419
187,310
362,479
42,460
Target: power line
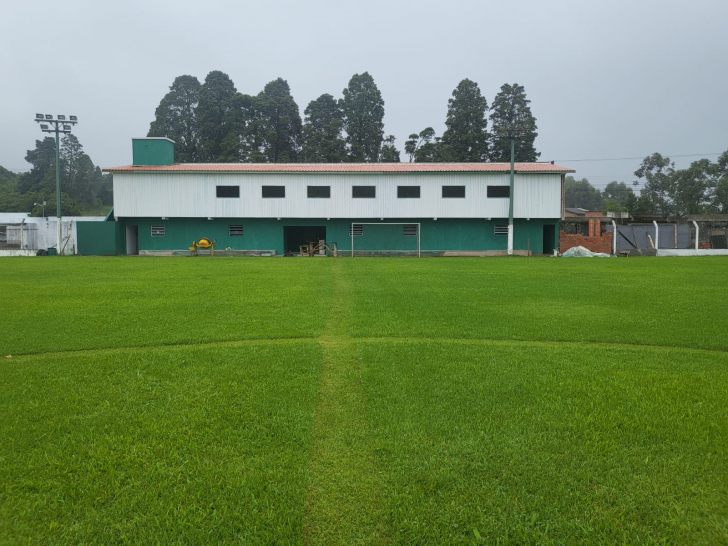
670,156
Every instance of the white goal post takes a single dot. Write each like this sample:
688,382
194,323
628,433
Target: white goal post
351,230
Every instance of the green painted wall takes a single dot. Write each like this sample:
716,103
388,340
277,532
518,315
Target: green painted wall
97,238
267,234
152,151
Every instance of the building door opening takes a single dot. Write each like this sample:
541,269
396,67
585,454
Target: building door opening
549,239
295,236
132,240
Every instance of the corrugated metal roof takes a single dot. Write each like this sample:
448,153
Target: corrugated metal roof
345,167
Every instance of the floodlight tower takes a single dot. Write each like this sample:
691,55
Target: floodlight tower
57,125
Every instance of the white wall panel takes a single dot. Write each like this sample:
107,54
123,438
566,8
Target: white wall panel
178,195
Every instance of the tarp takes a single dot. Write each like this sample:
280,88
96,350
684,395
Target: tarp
582,252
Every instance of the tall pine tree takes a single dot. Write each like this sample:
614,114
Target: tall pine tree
511,115
265,128
214,104
321,137
42,175
176,118
466,137
363,109
281,118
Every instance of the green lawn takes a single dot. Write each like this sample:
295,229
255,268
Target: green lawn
364,401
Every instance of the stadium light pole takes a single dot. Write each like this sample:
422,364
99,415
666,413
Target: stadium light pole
57,125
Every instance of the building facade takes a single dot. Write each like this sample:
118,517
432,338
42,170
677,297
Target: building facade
449,207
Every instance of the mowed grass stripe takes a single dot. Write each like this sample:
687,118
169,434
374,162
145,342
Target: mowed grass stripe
344,504
393,339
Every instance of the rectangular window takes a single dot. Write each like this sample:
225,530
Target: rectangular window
499,191
501,230
408,192
319,192
409,230
274,191
363,191
356,230
228,191
235,231
453,191
157,231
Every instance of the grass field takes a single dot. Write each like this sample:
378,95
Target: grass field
365,401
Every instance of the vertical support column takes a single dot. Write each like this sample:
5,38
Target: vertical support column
657,235
614,237
697,234
351,229
510,201
418,239
59,215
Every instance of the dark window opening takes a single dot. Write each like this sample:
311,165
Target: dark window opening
408,192
576,228
409,230
158,231
453,191
235,231
319,192
501,229
499,191
228,191
356,230
274,191
363,191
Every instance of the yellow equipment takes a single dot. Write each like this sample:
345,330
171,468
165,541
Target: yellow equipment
204,243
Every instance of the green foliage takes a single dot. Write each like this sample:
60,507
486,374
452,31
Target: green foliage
80,178
105,189
720,196
82,183
581,194
212,113
425,147
389,152
619,192
176,118
245,131
363,110
42,175
322,140
658,174
280,123
263,129
466,136
698,189
511,116
691,187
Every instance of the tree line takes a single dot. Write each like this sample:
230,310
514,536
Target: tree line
214,122
83,184
702,188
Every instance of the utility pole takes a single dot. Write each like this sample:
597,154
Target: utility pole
58,125
510,200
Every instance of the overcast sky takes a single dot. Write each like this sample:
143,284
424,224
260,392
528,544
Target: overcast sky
606,79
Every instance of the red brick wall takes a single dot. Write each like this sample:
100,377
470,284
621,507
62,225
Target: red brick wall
601,243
